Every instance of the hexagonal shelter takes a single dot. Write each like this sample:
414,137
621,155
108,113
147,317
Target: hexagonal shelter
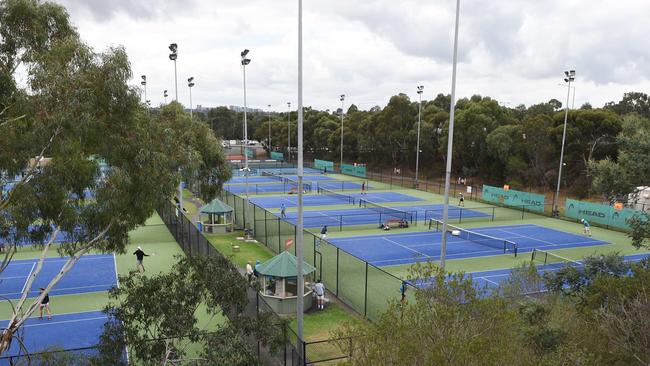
219,217
279,282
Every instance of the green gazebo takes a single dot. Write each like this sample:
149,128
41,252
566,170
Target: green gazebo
279,282
219,217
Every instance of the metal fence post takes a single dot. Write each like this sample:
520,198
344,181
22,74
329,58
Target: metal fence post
337,271
365,296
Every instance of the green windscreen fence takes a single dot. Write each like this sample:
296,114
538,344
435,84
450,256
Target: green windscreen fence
324,164
511,197
600,214
357,171
249,152
276,155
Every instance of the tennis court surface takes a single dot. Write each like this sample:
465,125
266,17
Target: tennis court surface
92,273
393,249
493,279
314,199
268,179
367,216
64,331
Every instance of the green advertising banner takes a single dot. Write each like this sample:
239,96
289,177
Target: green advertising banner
600,214
511,197
324,165
249,152
276,155
357,171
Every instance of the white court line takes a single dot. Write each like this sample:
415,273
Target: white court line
59,260
117,278
53,291
457,256
27,279
407,235
486,280
527,237
50,322
10,278
407,248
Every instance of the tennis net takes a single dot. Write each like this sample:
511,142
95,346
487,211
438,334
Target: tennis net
294,184
549,259
279,178
478,238
339,196
386,212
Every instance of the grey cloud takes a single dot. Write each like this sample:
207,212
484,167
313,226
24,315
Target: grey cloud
104,10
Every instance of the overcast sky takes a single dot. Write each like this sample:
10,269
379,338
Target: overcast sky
512,50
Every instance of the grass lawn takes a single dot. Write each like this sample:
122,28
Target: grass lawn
247,251
318,326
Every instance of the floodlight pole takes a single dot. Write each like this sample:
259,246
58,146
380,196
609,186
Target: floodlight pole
190,84
417,152
450,141
144,84
299,230
245,61
270,129
289,133
173,56
175,81
342,100
570,76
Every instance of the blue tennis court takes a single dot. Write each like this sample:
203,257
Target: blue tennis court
366,216
64,331
340,185
393,249
493,279
315,199
92,273
294,171
276,187
266,179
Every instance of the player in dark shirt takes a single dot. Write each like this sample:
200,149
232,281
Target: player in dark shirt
45,303
139,256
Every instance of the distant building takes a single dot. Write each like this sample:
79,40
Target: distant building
236,108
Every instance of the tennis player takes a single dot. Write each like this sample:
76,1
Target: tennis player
283,211
363,187
462,200
586,226
323,232
319,289
45,303
139,256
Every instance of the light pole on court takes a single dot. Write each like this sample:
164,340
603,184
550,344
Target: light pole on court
190,85
289,133
569,77
417,151
245,61
144,84
270,129
450,141
342,99
299,229
173,47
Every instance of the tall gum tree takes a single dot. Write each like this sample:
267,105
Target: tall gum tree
72,109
